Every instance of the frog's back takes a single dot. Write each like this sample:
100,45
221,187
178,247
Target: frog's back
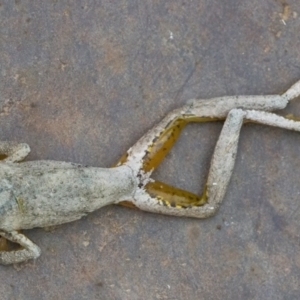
44,193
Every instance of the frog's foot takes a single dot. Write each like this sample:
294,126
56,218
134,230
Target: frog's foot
13,152
218,108
30,251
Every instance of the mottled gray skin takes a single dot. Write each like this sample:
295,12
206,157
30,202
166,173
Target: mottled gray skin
39,194
46,193
43,193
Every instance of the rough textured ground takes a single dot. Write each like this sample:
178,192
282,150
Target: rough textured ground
81,81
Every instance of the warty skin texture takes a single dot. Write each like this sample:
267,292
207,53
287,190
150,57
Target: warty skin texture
38,194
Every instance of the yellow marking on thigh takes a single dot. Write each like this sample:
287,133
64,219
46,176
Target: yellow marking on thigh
170,196
164,141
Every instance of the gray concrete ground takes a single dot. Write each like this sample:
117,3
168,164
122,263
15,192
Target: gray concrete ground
81,81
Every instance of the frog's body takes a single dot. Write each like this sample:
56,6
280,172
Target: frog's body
43,193
37,194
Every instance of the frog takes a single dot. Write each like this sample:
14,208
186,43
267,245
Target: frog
47,193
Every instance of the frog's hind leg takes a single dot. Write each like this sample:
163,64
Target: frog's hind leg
149,151
30,251
13,152
158,197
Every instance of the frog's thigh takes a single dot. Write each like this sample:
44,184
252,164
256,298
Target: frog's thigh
30,251
155,145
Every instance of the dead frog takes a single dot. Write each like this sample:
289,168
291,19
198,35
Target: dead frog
46,193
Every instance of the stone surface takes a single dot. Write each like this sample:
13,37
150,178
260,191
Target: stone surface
81,81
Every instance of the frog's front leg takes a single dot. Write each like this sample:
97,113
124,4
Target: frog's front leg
147,153
30,251
13,152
